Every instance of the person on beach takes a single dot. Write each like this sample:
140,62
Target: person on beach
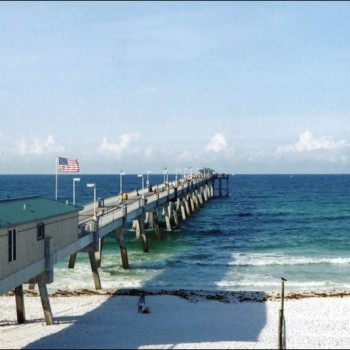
141,305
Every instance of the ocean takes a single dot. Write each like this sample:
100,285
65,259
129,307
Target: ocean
270,226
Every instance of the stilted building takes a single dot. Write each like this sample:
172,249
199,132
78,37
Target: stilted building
32,229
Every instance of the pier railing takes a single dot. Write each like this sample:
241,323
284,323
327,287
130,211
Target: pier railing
110,215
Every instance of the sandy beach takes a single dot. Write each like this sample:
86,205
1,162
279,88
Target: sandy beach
179,320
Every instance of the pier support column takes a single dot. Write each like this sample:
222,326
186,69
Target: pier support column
176,219
136,227
156,226
139,226
72,260
94,270
31,284
122,246
195,200
167,215
183,211
178,204
157,230
150,220
187,207
21,318
192,204
205,193
45,302
200,198
98,254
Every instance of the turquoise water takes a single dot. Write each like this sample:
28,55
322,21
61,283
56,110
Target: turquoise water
270,226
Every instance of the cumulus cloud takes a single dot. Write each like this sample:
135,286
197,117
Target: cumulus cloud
148,152
126,142
217,143
185,155
38,147
308,143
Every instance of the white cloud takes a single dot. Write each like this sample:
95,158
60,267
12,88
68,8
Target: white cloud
308,143
185,155
148,152
38,147
126,143
217,143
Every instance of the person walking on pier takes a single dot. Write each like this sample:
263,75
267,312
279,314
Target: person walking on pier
125,197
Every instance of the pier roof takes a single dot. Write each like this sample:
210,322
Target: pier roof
21,210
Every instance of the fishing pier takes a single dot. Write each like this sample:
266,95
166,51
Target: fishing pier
70,230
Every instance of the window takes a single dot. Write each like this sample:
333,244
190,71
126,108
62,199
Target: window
12,245
40,231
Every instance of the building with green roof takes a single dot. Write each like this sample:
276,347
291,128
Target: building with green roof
25,224
21,210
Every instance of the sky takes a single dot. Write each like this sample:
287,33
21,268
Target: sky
238,87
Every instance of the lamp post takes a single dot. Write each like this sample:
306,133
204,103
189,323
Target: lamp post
164,172
147,181
177,170
140,175
94,187
121,181
75,179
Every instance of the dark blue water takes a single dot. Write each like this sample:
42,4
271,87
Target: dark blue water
270,226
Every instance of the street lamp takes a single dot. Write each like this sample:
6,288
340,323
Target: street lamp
121,181
164,172
75,179
177,170
142,181
147,181
94,187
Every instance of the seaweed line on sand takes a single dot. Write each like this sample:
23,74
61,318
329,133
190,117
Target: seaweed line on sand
194,295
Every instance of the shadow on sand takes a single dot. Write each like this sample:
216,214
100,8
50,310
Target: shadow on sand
116,324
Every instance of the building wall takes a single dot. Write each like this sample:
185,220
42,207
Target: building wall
63,230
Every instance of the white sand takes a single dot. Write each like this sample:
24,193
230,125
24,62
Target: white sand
113,322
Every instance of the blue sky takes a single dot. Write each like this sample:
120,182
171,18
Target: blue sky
240,87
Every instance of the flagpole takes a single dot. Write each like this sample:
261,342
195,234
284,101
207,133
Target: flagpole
56,161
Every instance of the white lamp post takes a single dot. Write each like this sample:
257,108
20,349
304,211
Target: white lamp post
142,180
121,181
94,187
75,179
164,172
177,170
147,181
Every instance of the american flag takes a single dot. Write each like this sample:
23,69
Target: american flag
66,165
